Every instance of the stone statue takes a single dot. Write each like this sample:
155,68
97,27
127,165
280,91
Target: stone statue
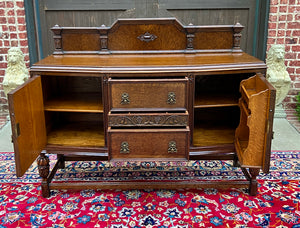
278,76
16,72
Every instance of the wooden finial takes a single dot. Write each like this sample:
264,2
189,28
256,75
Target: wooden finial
57,39
237,29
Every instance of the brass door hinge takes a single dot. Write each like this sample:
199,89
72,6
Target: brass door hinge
17,130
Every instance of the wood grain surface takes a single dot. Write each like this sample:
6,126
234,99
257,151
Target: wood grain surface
28,123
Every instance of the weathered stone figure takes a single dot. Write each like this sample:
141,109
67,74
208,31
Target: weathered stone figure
277,74
16,72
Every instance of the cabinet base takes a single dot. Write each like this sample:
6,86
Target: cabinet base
43,164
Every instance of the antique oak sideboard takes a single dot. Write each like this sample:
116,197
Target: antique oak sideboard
149,90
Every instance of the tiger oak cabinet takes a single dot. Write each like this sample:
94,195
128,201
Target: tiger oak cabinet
144,89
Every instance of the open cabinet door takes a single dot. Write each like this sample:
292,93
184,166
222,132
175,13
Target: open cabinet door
28,123
254,133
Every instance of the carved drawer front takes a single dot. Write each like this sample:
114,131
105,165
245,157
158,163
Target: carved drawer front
148,120
148,144
148,94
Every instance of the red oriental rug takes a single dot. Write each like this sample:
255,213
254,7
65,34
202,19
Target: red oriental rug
276,205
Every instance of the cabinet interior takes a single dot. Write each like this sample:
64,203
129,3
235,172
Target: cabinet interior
216,111
215,126
72,94
217,90
73,111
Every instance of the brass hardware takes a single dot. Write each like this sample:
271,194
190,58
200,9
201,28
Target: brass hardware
172,147
125,98
190,40
17,130
171,98
124,148
147,37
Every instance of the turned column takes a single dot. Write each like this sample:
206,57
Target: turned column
43,166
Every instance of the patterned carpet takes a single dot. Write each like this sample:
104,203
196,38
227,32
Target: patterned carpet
276,205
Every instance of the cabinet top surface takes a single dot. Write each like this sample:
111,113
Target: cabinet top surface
132,63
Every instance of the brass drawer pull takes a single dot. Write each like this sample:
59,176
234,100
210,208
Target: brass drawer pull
172,147
171,98
125,98
124,148
147,37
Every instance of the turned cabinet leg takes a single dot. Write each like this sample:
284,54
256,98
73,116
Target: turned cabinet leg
43,166
253,182
61,161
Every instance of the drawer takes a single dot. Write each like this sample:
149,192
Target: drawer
148,94
148,144
148,120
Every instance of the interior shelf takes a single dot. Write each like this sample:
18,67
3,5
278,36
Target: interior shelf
213,135
74,102
77,134
215,100
215,126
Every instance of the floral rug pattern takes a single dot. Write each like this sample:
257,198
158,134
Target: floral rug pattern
276,205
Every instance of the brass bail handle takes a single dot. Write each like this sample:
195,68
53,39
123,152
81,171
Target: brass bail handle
125,98
124,148
172,147
171,98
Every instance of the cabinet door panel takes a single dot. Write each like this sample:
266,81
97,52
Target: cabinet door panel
28,123
253,135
